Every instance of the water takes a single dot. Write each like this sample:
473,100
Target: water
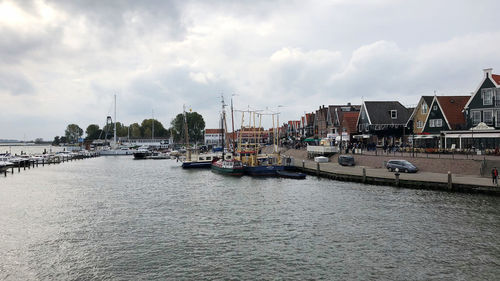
113,218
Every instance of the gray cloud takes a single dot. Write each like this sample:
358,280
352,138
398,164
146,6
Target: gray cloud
72,56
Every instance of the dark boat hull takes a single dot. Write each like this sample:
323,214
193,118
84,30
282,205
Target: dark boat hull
196,165
291,175
228,171
264,171
141,155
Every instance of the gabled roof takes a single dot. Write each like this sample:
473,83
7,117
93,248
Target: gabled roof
452,108
379,112
350,120
496,77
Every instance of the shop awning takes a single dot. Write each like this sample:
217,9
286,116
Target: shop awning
361,136
311,140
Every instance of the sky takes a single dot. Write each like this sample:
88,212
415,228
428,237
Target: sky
61,62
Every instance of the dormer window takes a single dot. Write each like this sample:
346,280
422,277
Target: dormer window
394,114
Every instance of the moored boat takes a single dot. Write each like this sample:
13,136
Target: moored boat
231,167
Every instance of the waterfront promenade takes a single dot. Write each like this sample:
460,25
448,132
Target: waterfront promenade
380,175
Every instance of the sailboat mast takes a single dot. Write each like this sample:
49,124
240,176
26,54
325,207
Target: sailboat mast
153,124
114,122
232,121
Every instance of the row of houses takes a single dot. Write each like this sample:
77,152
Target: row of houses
459,122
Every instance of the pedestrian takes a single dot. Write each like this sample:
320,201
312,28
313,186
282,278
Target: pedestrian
494,175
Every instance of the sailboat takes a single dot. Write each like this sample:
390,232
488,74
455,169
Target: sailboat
227,165
114,150
194,160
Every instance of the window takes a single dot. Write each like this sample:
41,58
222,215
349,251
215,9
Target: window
497,119
476,117
487,95
433,123
424,108
497,97
394,114
439,122
488,117
435,107
420,123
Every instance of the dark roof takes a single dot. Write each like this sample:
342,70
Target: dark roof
380,112
452,107
428,99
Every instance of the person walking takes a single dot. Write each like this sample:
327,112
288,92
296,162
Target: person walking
494,175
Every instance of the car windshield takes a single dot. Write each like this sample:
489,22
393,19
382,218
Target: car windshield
406,163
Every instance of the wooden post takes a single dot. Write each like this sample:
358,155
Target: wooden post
303,164
450,183
19,168
12,170
364,175
397,177
5,172
317,169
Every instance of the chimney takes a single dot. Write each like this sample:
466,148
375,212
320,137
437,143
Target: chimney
487,72
348,104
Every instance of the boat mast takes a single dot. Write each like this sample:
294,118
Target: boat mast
114,122
223,116
186,135
232,121
153,125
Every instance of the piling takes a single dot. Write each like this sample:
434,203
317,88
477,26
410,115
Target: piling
450,182
317,169
303,164
396,181
364,175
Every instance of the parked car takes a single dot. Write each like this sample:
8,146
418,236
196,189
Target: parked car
402,165
346,160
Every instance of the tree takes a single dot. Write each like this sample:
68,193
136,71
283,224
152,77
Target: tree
73,132
195,124
159,130
56,141
38,140
93,132
121,130
135,130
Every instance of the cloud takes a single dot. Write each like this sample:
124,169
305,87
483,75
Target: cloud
64,60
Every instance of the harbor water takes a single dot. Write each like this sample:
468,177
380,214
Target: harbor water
115,218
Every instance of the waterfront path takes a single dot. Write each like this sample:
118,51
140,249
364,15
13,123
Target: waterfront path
420,180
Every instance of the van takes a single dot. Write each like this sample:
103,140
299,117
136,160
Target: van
346,160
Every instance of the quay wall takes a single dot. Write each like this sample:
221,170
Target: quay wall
434,165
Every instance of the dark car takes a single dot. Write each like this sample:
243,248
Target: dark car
346,160
401,165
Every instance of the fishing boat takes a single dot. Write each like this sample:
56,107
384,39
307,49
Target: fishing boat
227,165
256,164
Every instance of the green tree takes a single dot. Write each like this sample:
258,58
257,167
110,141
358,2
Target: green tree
73,132
93,132
135,130
56,141
121,130
195,124
159,130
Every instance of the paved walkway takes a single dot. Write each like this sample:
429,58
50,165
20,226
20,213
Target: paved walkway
384,173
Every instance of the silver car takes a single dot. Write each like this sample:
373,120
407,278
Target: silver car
401,165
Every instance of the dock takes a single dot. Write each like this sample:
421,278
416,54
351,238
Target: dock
421,180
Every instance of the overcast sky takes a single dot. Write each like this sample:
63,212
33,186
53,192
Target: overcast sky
61,62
